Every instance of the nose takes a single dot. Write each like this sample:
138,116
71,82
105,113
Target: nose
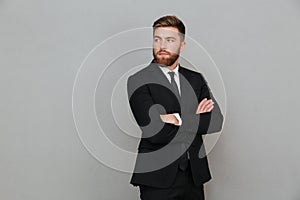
163,44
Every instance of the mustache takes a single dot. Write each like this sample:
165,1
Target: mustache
163,51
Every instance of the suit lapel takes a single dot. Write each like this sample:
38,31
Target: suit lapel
189,100
188,96
158,76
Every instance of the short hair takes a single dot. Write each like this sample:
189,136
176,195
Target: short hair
170,21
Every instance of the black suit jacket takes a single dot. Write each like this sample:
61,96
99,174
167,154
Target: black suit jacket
150,94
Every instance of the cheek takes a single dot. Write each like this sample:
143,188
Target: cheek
155,48
174,48
156,45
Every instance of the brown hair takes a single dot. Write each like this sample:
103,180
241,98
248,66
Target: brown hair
170,21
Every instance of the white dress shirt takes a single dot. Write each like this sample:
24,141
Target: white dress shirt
165,70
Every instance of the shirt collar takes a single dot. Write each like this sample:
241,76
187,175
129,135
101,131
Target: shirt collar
165,70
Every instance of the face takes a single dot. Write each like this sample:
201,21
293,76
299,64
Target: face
167,45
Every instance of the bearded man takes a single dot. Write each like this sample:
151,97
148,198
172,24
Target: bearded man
174,108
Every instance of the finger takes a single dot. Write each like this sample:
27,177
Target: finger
200,106
170,118
207,104
210,108
163,118
167,118
201,103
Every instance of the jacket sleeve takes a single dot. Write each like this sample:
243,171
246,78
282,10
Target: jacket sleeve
210,122
147,114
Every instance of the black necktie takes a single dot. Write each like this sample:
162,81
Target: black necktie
174,84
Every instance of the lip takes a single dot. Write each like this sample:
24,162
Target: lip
163,54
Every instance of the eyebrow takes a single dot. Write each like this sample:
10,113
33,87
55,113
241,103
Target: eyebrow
165,37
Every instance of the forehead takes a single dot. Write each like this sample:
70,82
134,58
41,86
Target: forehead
166,32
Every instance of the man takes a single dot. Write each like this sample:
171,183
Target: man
174,107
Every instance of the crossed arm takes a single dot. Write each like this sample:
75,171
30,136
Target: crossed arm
141,101
206,105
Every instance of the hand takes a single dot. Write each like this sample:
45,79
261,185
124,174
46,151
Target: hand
205,106
169,118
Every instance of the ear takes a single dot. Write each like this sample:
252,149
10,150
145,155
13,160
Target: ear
182,45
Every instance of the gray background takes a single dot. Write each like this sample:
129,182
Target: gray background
42,43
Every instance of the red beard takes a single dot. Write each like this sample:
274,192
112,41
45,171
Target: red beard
165,60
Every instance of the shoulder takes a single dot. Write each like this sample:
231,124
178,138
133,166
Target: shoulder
141,74
190,74
139,79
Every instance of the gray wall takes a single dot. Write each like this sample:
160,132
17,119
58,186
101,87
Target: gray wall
255,44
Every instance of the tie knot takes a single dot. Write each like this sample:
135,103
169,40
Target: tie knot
171,74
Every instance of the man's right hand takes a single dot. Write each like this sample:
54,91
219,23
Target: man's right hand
206,105
169,118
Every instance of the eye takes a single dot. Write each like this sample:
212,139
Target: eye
170,40
156,39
